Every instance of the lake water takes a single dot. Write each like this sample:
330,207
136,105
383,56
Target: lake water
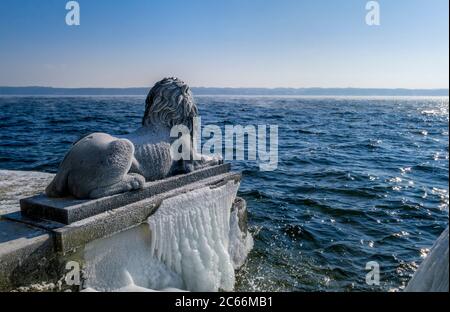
358,179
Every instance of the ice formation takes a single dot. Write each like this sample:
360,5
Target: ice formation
124,261
132,287
193,242
432,274
240,243
191,235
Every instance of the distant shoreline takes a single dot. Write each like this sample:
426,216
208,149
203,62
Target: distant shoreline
35,91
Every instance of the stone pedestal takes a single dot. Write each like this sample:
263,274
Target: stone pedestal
35,241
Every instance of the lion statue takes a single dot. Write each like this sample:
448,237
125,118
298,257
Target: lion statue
100,165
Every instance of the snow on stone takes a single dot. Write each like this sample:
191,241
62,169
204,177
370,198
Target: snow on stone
15,185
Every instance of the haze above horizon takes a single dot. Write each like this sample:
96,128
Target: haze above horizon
226,43
142,91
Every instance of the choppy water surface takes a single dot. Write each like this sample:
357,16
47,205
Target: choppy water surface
358,179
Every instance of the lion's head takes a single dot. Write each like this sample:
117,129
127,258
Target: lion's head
170,102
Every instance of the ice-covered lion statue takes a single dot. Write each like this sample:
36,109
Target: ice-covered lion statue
100,165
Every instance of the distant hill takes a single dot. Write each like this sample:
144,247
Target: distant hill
227,91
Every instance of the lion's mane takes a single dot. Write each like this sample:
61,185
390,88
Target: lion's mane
170,102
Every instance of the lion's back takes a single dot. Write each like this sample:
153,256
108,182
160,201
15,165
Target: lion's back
155,161
96,160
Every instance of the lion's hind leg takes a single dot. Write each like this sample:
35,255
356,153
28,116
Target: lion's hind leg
129,182
58,186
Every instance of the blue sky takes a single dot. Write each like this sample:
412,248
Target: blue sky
225,43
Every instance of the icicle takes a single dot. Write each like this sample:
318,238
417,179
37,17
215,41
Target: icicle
240,243
192,242
190,235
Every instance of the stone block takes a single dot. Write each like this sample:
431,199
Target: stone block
70,210
25,254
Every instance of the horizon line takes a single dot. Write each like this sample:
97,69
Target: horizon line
219,87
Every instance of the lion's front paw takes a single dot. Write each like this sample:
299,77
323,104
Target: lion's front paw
137,181
219,160
212,160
